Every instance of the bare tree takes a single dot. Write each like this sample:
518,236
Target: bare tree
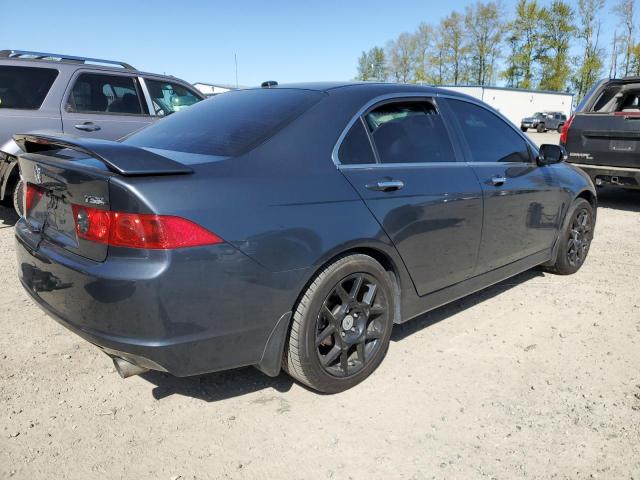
423,45
625,10
484,36
400,55
590,62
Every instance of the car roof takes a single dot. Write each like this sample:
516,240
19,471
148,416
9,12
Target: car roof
70,65
375,87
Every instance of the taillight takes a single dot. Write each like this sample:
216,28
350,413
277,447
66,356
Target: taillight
135,230
31,195
565,130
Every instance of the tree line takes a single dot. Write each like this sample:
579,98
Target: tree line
556,46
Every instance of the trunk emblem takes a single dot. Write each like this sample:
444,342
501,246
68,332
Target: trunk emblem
37,173
94,200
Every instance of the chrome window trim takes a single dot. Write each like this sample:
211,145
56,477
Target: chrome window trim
379,99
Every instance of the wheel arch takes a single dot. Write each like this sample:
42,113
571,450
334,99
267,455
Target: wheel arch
271,361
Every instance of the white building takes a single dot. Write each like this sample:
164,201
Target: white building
209,89
515,103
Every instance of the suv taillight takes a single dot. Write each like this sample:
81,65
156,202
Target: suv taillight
565,130
136,230
31,195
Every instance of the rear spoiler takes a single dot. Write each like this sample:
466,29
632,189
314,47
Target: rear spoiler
124,159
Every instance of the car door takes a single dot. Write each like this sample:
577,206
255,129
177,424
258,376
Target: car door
523,202
107,106
399,157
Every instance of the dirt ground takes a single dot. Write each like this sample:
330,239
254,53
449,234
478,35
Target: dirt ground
537,377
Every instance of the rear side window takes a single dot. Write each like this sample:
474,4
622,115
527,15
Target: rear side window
95,93
489,138
409,132
228,124
169,97
25,87
355,148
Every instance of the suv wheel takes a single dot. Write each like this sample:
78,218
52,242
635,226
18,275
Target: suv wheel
18,193
575,239
540,128
524,129
560,127
342,324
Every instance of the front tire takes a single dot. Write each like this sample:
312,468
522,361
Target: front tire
524,129
575,240
342,324
540,128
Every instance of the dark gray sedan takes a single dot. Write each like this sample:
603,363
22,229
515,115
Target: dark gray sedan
290,226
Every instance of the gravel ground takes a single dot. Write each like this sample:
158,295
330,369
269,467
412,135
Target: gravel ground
537,377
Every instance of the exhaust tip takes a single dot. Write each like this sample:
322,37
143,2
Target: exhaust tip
127,369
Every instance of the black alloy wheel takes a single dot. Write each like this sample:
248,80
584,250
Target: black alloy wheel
342,324
350,325
579,238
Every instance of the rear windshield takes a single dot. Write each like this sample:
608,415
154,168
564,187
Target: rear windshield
228,124
25,87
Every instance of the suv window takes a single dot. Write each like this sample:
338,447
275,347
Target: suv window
490,139
96,93
228,124
169,97
25,87
356,148
409,132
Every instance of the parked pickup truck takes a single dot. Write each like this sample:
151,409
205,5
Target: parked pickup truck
80,96
603,137
543,121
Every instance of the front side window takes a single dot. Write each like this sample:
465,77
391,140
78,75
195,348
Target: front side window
409,132
489,138
25,87
169,97
95,93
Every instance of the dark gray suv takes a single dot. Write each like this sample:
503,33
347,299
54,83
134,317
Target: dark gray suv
79,96
544,121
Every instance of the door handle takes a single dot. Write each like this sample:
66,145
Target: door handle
386,185
498,180
87,127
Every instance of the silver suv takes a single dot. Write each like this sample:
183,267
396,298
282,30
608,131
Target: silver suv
78,96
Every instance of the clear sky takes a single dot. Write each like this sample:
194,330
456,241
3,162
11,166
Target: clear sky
196,40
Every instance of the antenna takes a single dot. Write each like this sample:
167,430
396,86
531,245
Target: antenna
235,58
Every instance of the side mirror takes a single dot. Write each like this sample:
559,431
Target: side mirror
551,154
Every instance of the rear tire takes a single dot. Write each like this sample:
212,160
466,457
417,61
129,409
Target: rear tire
540,128
560,127
342,324
575,239
18,193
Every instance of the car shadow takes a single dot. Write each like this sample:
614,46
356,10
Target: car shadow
8,217
442,313
628,200
214,387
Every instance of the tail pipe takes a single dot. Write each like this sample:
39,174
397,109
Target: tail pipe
127,369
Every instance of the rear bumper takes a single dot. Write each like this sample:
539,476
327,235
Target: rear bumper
603,175
186,312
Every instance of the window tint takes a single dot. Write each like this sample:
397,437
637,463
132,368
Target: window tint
409,132
355,148
169,97
228,124
25,87
489,138
105,94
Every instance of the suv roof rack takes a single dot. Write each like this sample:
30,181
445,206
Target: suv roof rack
62,58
